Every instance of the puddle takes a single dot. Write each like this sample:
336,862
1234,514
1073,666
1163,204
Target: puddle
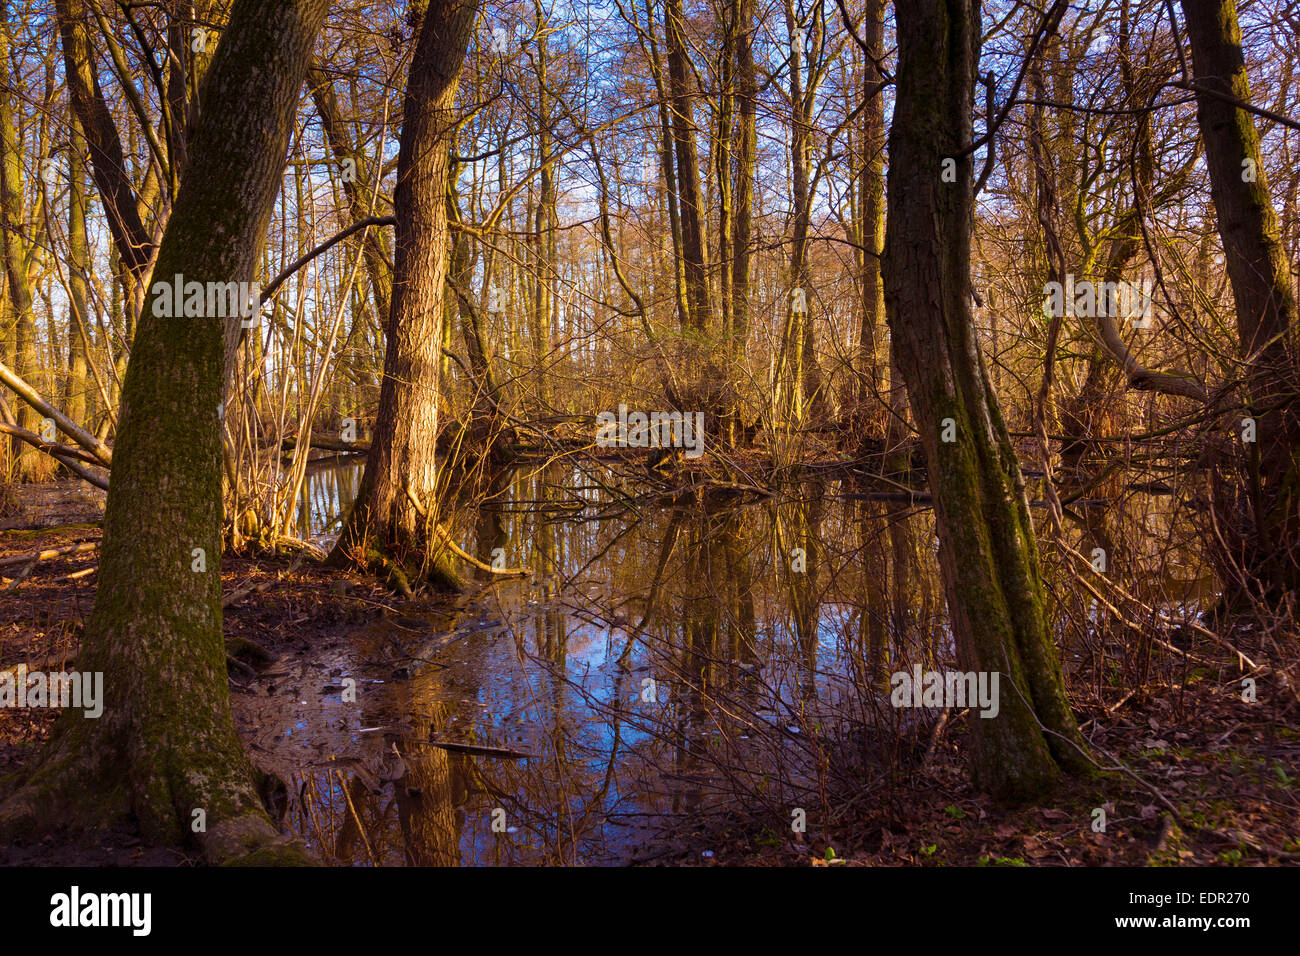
661,666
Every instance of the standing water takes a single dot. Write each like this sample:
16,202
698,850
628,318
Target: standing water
660,668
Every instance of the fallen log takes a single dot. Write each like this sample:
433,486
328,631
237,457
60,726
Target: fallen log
328,444
36,556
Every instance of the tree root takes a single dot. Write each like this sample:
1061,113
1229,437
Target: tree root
64,789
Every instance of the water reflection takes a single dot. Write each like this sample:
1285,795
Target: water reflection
662,662
329,488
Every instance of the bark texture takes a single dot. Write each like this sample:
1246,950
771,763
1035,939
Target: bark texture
988,553
394,518
1261,285
166,744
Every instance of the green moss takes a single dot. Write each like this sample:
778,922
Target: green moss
288,854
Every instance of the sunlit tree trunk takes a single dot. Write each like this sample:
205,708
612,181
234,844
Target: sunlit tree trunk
743,193
988,552
871,206
1261,285
166,745
544,219
74,401
688,168
357,178
394,519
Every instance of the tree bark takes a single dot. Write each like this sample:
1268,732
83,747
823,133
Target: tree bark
166,744
743,198
107,158
988,553
74,395
1261,285
393,521
871,204
30,464
688,169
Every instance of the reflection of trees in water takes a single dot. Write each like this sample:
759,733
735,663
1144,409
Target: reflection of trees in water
773,681
804,517
400,805
431,789
327,492
491,529
873,614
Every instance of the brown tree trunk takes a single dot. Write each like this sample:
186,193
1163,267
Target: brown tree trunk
30,464
988,552
165,745
871,205
394,519
74,395
1261,285
688,169
743,200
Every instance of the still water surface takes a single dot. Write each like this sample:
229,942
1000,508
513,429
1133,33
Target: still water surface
665,664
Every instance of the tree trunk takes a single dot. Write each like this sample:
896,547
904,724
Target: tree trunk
393,521
743,199
544,221
1261,286
166,744
871,171
358,186
30,464
107,158
74,395
988,553
688,168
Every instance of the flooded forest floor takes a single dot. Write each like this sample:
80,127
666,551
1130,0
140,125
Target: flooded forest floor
512,725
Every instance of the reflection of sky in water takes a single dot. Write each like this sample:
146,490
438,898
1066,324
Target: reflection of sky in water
534,666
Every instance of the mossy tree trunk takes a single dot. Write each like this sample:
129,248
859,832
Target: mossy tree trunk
395,511
166,744
988,553
1261,285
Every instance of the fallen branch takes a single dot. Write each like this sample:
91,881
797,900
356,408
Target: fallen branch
103,454
240,593
325,443
22,575
66,455
477,750
302,547
46,663
36,556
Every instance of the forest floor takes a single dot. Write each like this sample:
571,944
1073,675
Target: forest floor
1196,777
1208,778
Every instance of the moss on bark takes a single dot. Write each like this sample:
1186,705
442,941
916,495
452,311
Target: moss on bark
988,552
165,745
